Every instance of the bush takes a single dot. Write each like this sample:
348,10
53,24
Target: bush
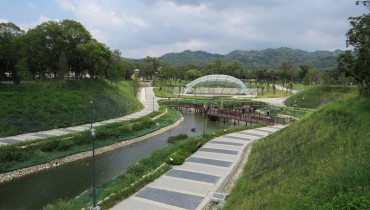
176,159
174,139
49,146
11,153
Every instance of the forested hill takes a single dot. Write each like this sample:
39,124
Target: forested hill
188,57
268,57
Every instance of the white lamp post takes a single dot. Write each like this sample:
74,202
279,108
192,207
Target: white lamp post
93,135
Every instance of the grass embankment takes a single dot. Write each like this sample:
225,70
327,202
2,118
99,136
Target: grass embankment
25,154
44,105
142,173
318,95
319,162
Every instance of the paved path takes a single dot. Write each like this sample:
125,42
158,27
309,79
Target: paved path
147,98
283,88
191,185
272,101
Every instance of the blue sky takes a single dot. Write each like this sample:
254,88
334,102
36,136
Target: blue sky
140,28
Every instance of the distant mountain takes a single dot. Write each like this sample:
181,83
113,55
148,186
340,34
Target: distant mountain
188,57
267,57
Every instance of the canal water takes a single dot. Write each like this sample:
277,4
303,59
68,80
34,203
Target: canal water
70,180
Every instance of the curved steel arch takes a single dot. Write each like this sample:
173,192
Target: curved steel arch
218,78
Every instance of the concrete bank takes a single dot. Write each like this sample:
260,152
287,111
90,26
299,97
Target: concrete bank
6,177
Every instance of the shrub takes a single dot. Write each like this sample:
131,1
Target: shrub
49,146
174,139
176,159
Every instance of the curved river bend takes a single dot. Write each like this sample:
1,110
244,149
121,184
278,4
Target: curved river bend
69,180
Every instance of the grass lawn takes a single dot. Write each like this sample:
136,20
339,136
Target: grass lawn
44,105
318,95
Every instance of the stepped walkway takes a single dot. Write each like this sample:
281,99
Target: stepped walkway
202,176
147,98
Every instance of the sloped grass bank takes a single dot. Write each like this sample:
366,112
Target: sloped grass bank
316,96
26,154
44,105
319,162
140,174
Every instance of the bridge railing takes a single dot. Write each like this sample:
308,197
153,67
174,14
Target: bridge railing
243,112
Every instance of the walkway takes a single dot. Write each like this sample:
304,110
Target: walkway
284,89
147,98
272,101
193,184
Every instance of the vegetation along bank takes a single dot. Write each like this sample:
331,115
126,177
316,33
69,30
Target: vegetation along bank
29,157
142,173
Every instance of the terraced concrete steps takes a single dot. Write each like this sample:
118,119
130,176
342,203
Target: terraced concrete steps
192,184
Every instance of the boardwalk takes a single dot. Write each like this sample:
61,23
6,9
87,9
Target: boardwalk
147,98
191,185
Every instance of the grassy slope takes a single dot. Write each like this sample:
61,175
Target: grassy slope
35,106
314,96
319,162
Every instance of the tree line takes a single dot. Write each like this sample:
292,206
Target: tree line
58,50
285,73
65,49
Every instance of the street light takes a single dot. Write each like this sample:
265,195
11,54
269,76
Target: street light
153,103
294,105
93,135
204,120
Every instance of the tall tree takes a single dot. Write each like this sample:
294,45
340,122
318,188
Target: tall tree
74,33
9,53
149,67
356,62
193,74
95,58
118,67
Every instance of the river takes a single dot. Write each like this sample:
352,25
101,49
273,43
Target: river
69,180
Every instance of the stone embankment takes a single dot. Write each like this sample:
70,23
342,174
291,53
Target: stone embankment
6,177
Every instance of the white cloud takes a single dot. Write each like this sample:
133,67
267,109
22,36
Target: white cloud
99,14
28,25
4,20
154,27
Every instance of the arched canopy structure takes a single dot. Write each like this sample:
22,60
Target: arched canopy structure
216,80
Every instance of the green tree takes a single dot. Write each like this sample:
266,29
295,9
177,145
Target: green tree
9,51
356,62
149,67
74,33
96,58
119,68
303,70
225,66
287,72
193,74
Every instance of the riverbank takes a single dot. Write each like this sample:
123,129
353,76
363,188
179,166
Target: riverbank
6,177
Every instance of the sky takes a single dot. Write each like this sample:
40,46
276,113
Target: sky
140,28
